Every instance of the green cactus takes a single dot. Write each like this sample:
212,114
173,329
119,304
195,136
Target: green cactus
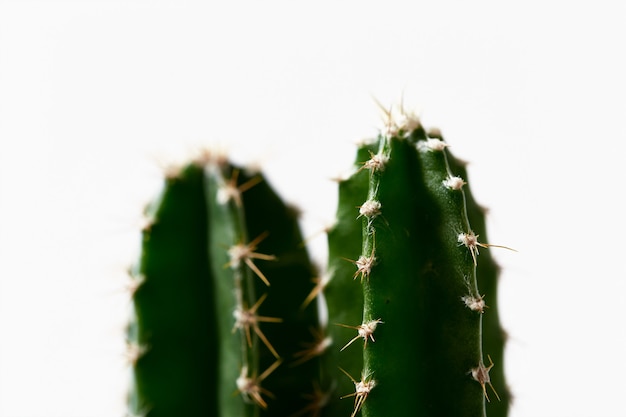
226,318
218,315
417,268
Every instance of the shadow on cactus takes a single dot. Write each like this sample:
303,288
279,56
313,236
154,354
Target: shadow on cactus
226,315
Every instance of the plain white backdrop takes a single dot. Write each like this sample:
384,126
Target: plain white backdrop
97,97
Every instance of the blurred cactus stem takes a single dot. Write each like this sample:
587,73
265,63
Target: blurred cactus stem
421,325
218,318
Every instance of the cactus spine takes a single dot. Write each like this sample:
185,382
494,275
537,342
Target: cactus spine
226,322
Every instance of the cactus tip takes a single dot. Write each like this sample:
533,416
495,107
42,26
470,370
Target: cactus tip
398,120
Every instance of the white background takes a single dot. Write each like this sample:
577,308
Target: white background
97,97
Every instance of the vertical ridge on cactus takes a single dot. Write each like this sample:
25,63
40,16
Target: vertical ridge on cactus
343,296
487,272
423,282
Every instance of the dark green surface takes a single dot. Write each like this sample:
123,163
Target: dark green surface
173,310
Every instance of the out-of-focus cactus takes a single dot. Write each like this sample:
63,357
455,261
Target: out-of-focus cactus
226,319
218,317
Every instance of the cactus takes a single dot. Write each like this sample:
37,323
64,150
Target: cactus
218,301
226,319
487,271
421,321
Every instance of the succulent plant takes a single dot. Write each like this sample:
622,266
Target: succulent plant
232,319
422,314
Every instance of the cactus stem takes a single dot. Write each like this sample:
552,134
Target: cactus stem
246,253
362,390
470,240
244,319
250,387
481,375
365,331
